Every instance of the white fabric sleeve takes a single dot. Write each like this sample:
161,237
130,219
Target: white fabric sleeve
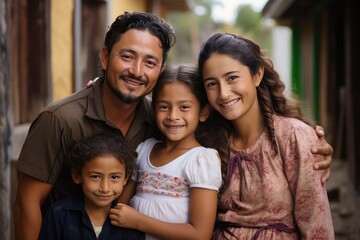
204,170
135,171
143,150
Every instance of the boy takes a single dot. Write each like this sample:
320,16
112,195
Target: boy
102,165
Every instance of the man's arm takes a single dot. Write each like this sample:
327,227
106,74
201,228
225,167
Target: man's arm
27,207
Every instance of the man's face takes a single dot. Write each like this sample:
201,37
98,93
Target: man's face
133,65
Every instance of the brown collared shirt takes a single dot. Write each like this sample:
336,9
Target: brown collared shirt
63,122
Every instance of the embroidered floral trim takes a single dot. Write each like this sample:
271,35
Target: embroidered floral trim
162,184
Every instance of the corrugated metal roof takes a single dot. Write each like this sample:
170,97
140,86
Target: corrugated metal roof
285,9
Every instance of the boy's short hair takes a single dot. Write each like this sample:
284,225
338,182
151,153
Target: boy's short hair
100,145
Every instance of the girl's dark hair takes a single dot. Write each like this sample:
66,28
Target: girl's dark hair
100,145
270,92
189,75
141,21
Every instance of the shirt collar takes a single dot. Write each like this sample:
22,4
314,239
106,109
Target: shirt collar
95,109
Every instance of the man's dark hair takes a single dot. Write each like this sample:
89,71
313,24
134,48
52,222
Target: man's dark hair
141,21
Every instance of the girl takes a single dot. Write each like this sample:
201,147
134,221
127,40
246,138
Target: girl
177,179
270,189
101,165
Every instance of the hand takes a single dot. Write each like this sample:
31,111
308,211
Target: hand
325,150
90,83
123,215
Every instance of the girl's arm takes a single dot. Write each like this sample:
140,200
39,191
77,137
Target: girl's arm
202,214
128,192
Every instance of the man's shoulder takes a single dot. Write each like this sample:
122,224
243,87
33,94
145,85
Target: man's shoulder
66,111
73,100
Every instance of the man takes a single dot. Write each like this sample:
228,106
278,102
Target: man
134,55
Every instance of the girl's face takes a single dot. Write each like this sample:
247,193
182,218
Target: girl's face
178,112
230,87
102,180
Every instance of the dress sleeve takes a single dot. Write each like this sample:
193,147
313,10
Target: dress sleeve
204,170
311,209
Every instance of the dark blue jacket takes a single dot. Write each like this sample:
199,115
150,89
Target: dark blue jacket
66,219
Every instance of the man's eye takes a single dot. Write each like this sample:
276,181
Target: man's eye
233,78
126,57
151,64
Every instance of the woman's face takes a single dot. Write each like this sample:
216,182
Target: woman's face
230,87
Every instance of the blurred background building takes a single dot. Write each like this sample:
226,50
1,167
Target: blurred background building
324,73
50,48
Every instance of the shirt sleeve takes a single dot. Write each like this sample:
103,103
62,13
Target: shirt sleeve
204,171
51,227
311,209
42,155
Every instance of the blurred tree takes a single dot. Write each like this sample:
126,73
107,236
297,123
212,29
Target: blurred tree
250,24
191,29
181,52
248,20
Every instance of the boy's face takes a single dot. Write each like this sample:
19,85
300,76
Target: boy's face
102,180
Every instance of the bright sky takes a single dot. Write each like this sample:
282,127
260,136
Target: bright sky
226,10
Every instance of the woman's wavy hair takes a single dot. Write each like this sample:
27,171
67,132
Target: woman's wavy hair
270,92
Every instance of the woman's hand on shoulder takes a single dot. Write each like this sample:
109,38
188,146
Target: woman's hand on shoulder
90,83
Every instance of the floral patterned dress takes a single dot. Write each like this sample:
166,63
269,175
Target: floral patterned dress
163,192
275,196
